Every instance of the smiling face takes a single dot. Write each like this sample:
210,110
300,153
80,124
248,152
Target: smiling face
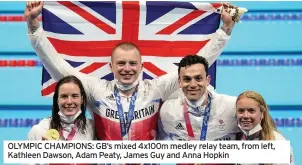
249,113
69,98
126,65
194,81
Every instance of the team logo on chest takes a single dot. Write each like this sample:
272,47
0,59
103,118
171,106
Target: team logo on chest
221,125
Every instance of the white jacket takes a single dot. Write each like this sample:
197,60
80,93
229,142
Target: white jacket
102,105
38,131
278,136
222,124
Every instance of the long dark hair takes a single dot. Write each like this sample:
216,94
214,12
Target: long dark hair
55,122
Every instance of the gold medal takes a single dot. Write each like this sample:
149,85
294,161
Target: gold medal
52,134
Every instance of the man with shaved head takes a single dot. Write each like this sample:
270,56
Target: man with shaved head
125,108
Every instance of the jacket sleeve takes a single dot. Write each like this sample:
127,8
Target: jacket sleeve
162,134
168,84
213,49
33,134
292,162
56,66
279,136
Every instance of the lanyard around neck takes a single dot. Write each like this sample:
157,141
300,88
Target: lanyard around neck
125,125
71,135
204,126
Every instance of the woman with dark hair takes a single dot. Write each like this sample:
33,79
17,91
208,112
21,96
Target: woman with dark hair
68,120
255,121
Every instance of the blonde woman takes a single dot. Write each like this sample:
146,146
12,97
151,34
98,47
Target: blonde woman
254,119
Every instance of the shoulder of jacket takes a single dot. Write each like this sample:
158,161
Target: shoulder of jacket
279,136
224,97
171,105
36,130
147,84
174,102
44,123
224,100
224,104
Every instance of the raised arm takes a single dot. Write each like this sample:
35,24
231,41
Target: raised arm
168,84
54,63
219,39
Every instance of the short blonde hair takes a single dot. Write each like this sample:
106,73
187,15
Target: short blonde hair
126,46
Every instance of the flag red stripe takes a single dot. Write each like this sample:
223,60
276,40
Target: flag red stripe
48,90
182,21
169,48
89,17
94,66
147,48
154,69
84,48
216,5
130,28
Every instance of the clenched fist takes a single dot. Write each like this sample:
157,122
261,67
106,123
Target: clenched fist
226,17
228,23
33,9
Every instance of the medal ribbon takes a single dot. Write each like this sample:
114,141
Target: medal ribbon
204,126
125,125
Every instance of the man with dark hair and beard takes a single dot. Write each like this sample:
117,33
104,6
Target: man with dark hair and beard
198,114
125,108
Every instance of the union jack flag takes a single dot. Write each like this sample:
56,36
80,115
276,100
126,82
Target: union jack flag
85,33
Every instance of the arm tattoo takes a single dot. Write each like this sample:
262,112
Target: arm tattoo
33,25
227,30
